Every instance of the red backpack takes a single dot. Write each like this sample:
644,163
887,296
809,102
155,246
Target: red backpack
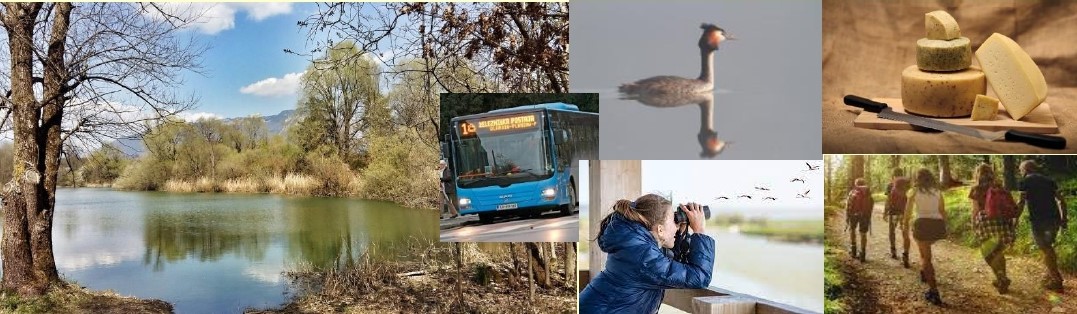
896,199
1000,204
859,202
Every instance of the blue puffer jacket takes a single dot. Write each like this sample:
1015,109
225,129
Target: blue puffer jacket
638,271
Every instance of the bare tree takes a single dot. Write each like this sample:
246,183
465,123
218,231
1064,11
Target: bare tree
570,264
84,73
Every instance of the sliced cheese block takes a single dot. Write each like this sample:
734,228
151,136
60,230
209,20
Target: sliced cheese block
941,26
943,55
1013,75
985,108
941,94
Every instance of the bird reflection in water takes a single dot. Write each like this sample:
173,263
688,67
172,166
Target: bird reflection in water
709,142
672,91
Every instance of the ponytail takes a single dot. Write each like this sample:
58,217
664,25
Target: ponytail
648,210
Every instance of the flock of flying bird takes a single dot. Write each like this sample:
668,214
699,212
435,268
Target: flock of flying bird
766,189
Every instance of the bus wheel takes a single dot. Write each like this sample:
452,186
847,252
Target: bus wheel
486,218
567,209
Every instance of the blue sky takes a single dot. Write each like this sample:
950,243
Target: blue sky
702,181
245,68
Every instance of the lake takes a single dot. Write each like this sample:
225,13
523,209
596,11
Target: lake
221,253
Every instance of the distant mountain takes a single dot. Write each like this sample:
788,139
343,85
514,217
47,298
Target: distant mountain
275,124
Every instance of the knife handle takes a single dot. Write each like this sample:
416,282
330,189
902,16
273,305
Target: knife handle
864,103
1045,141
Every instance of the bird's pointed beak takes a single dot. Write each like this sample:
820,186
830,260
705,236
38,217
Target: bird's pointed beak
729,36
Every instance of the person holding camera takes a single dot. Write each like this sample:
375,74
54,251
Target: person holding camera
639,268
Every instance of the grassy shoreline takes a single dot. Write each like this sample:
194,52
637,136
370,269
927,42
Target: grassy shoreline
72,298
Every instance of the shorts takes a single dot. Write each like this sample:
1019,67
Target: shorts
927,229
861,222
1045,233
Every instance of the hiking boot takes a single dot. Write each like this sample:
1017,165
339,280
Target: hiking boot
863,256
853,252
893,253
932,296
1002,285
905,259
1054,285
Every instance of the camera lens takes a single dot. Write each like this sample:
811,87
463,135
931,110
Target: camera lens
680,216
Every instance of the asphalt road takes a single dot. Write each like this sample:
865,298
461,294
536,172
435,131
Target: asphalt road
550,227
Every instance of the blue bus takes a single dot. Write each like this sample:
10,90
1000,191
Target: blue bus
520,160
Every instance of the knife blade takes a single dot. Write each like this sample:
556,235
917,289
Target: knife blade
885,112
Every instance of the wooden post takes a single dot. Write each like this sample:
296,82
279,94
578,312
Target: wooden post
611,180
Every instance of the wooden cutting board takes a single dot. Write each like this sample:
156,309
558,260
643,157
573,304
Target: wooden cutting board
1040,120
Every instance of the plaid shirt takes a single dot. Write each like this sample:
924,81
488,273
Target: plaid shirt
1000,229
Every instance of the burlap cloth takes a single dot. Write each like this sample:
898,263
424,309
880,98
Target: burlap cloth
866,44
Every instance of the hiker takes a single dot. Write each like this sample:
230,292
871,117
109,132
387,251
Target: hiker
447,189
858,208
894,212
637,269
925,201
1046,214
993,214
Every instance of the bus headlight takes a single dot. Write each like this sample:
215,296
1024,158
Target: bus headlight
465,203
549,194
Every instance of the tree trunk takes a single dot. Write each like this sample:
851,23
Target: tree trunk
570,264
828,180
867,170
24,195
1009,172
540,269
459,268
946,180
530,275
856,170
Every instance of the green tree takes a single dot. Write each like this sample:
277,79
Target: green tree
340,96
104,165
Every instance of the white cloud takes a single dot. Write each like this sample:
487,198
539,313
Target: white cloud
212,18
261,11
195,116
274,87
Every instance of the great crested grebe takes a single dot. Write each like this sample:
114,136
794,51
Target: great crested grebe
708,44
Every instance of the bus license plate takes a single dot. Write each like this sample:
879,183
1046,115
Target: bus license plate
506,206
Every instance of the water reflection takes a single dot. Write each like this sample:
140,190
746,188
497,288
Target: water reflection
709,142
222,252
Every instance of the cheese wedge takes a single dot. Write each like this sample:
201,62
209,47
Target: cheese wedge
943,55
985,108
941,26
941,94
1013,75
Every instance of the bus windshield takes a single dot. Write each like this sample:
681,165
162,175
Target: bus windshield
501,157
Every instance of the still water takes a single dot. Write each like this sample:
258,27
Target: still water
767,82
220,253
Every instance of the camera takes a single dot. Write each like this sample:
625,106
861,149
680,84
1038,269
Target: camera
680,216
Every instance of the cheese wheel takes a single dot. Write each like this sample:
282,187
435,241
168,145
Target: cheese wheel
941,26
943,55
941,94
1013,75
985,108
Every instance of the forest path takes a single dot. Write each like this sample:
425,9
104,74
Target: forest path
882,285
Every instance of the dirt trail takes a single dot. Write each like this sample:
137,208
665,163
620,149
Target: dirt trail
882,285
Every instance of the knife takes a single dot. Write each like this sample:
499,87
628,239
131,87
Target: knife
885,112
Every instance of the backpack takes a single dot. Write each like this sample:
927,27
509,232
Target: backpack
1000,204
859,202
896,198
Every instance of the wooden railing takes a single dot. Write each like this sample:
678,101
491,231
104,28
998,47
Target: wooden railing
713,300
